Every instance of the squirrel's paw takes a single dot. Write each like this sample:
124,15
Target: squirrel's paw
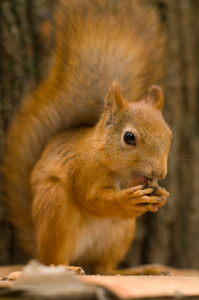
141,198
72,269
162,194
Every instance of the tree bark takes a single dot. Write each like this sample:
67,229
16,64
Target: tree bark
170,236
26,40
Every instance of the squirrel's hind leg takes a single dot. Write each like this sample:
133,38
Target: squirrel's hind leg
56,232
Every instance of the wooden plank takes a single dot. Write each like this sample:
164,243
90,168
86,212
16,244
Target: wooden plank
131,287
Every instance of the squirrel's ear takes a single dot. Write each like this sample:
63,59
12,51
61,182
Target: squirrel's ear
114,99
156,97
113,103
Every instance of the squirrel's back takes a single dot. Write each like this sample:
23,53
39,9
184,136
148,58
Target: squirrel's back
97,42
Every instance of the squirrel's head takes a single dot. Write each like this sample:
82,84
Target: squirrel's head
134,136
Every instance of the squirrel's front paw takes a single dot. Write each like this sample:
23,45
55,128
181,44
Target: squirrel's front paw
140,199
162,194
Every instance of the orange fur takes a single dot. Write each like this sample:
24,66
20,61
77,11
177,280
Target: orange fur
97,42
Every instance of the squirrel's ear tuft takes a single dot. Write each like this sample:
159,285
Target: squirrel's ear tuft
113,102
114,99
156,97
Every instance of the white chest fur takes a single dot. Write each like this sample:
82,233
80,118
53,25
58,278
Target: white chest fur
98,235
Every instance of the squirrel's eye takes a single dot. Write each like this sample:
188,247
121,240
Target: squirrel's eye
129,138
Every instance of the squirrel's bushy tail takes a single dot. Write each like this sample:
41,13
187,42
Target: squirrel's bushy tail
97,42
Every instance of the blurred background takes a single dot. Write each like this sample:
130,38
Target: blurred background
170,236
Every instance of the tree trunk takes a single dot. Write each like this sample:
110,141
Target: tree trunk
170,236
25,39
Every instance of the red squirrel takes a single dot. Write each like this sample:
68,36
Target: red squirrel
95,108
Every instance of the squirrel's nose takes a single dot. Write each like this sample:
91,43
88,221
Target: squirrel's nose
156,169
160,173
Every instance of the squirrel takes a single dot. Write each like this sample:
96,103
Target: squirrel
82,210
85,163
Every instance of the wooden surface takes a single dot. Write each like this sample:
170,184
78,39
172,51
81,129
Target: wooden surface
132,287
5,270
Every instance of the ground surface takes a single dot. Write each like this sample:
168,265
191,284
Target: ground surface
120,287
